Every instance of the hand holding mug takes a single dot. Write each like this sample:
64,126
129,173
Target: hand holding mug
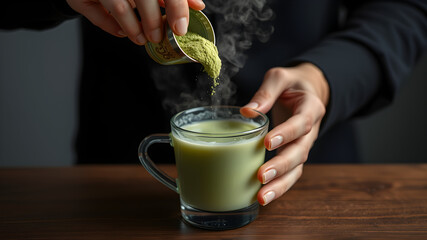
297,97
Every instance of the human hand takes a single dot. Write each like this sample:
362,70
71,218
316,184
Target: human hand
298,97
118,18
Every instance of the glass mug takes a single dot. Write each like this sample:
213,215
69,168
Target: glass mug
218,151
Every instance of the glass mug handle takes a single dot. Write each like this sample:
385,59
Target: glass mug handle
149,164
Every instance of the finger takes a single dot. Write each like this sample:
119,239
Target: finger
279,186
123,12
249,112
308,112
308,103
151,19
275,82
288,157
161,3
132,3
177,15
97,15
194,4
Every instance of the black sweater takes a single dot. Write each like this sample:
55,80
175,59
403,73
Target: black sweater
365,55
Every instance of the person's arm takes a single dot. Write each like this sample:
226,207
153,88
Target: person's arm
367,61
351,72
36,15
116,17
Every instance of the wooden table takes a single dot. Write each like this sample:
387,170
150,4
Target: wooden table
124,202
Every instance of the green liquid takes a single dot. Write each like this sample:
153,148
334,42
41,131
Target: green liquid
220,175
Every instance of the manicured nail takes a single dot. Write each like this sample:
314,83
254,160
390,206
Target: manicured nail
268,176
141,39
201,2
268,197
156,35
121,33
252,105
275,142
181,26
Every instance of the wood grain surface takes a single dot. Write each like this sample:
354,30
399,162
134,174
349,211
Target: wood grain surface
125,202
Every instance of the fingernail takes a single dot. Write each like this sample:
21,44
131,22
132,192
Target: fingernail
181,26
201,2
275,142
268,197
252,105
156,35
121,33
141,39
268,176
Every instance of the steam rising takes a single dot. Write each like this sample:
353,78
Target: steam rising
237,24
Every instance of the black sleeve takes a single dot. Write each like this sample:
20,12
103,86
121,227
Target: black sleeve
369,58
34,14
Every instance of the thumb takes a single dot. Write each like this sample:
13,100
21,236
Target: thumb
276,81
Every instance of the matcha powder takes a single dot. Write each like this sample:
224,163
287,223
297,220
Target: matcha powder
204,51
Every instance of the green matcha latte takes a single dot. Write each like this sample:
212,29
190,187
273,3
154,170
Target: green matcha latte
204,51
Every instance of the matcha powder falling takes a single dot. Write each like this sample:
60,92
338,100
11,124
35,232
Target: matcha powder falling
204,51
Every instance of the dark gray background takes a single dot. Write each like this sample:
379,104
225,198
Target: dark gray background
38,103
